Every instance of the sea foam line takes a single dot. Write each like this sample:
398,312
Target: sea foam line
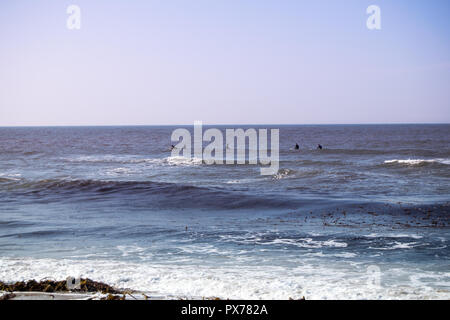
413,162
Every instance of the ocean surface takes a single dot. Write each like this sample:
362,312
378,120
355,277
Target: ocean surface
365,217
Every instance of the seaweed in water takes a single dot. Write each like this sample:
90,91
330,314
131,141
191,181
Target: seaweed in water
86,285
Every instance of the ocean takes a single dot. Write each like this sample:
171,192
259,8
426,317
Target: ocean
365,217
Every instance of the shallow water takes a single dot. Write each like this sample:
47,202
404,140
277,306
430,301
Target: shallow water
366,217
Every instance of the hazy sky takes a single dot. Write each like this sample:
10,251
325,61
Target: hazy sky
223,62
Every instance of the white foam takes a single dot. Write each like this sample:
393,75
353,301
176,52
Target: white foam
398,245
346,255
130,250
393,235
134,159
312,280
11,176
300,242
183,161
413,162
121,171
239,181
109,158
284,173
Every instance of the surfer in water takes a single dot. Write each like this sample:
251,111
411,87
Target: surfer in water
297,146
319,147
172,147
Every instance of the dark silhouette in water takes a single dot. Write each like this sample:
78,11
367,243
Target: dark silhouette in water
319,147
172,147
297,146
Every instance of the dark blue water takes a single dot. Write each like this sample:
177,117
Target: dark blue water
366,216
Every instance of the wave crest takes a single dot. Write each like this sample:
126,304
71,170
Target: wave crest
417,162
148,193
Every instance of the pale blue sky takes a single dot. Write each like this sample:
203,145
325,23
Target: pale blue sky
223,62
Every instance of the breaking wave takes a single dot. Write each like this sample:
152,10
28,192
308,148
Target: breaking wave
173,161
152,193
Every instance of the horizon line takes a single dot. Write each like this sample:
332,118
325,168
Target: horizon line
225,124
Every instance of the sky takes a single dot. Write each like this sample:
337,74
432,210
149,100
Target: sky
170,62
